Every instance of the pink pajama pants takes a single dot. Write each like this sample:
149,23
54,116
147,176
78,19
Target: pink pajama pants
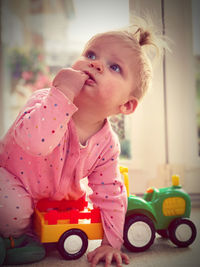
16,206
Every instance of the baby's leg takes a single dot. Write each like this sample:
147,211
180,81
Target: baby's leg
16,206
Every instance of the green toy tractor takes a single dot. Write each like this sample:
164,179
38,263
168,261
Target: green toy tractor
165,211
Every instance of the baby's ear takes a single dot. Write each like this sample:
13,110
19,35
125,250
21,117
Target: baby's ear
129,107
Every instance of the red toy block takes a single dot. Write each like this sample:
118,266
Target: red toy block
74,216
52,217
62,205
95,216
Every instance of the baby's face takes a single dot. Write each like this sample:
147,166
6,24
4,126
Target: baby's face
109,62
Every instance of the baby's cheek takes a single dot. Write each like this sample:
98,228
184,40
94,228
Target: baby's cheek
105,98
108,95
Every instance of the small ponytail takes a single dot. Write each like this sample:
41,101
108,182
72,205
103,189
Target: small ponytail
143,37
148,36
149,45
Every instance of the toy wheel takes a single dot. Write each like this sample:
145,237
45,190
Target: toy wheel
73,244
163,232
182,232
139,233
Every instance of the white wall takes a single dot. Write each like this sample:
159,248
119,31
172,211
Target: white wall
153,162
148,136
181,92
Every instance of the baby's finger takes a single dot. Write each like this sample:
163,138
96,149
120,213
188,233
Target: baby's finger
108,259
125,258
118,259
95,260
84,75
90,255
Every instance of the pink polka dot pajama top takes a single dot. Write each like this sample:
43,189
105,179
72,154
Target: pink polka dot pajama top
42,152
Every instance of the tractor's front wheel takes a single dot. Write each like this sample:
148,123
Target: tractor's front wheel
182,232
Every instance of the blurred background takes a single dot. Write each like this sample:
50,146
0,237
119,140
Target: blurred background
38,37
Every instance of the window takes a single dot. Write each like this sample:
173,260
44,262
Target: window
122,126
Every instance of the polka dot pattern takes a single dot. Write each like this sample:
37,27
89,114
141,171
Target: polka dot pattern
14,205
52,157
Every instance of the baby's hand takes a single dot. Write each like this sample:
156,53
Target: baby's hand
107,254
70,82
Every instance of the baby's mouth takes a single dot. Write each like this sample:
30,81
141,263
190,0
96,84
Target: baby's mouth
90,77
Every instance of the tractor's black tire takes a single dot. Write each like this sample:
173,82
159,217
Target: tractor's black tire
174,234
132,236
68,253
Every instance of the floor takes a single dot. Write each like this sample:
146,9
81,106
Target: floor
161,254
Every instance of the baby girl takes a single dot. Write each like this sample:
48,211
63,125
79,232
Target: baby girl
63,135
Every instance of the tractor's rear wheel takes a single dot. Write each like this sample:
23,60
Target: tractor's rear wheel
139,233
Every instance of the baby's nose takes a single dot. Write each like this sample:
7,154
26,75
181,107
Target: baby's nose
97,65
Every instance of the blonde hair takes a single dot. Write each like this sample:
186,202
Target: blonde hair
138,40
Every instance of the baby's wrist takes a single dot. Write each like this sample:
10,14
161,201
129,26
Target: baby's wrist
105,241
68,93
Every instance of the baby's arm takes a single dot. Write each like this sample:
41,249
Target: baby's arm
110,196
43,122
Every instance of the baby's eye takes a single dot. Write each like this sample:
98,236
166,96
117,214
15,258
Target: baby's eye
115,67
91,55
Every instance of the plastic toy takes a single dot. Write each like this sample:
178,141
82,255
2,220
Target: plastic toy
71,223
165,211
